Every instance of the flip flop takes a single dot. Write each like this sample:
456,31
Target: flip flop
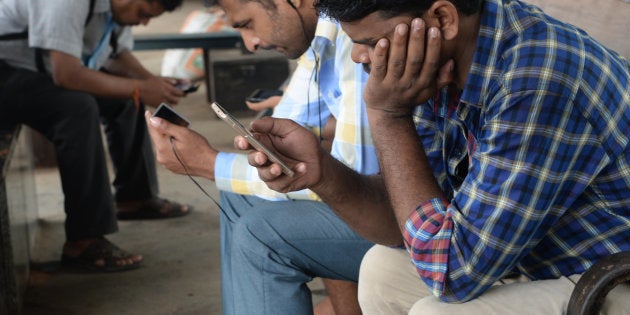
99,249
155,208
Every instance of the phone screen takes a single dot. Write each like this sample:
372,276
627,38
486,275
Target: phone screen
236,125
166,112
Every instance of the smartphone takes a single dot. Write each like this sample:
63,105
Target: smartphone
187,87
241,130
166,112
260,95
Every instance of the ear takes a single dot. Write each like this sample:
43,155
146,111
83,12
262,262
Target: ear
445,13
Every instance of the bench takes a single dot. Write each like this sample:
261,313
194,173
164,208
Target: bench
18,212
205,41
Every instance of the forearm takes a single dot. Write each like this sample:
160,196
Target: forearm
360,200
128,66
69,73
98,83
404,165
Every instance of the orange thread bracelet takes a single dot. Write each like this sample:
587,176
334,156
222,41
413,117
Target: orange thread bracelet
136,95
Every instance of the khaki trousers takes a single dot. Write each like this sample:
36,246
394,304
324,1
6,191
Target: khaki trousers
389,284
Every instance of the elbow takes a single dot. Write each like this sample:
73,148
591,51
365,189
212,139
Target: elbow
63,80
67,75
462,292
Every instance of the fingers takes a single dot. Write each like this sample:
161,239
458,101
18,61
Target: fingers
270,102
241,144
162,127
379,60
421,50
153,128
416,49
398,52
172,94
274,126
431,62
267,171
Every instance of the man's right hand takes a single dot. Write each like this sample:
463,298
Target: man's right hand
270,102
193,149
156,90
295,145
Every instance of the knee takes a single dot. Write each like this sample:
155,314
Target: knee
75,116
253,231
374,284
77,112
389,282
431,305
78,105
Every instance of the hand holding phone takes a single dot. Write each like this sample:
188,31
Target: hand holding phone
260,95
167,113
241,130
186,86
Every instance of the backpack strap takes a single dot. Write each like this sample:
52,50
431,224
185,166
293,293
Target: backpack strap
90,13
14,36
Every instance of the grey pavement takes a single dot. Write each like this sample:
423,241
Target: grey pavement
181,273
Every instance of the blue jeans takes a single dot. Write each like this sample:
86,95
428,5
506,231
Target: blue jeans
271,249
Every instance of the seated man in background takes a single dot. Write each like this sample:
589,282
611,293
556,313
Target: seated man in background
515,161
302,235
65,67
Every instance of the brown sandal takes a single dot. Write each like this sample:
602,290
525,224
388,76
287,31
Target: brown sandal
155,208
100,249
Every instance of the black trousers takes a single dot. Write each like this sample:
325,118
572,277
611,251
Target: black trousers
72,121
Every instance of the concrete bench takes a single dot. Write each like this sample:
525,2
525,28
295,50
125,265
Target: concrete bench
18,212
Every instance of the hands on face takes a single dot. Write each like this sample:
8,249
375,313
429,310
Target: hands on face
295,145
406,72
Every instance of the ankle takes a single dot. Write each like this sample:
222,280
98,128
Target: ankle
78,246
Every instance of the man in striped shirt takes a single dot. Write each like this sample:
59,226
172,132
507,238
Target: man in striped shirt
517,159
265,234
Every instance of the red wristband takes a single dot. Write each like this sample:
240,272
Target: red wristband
136,95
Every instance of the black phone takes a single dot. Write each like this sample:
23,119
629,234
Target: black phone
166,112
187,87
260,95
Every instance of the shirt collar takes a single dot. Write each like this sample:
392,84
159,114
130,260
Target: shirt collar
325,34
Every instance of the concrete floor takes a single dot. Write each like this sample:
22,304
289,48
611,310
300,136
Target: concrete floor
181,271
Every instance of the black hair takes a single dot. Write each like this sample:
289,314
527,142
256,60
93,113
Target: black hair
350,11
169,5
268,4
210,3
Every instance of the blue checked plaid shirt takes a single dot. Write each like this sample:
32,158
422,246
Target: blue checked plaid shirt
326,81
534,158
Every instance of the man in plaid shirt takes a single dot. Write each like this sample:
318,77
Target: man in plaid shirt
523,124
